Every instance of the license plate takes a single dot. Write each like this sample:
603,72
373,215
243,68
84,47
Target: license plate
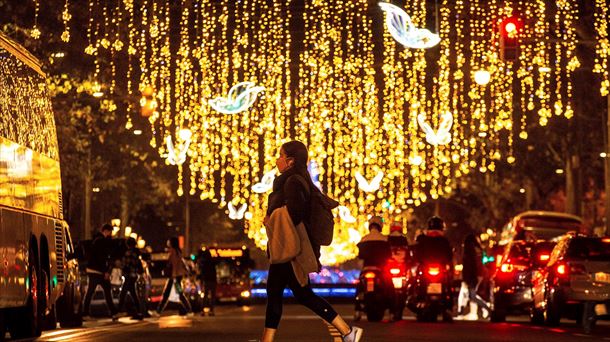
602,277
370,286
435,288
397,282
601,310
227,299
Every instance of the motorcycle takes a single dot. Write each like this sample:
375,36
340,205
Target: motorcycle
380,289
430,292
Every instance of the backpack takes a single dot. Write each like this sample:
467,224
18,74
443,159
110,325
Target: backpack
321,222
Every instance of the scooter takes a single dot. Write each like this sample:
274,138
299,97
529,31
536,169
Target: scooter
430,292
372,294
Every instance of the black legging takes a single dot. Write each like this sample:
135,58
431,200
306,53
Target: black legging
177,282
282,275
95,280
129,285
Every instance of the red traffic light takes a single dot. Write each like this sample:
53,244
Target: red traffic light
509,27
509,36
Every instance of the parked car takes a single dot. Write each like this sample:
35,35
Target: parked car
511,286
577,276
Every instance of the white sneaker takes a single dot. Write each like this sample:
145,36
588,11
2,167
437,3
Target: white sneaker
471,317
354,335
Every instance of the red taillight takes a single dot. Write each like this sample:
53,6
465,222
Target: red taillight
394,271
434,270
544,257
506,268
606,240
562,269
369,275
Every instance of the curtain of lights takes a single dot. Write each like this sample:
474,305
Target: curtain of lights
357,93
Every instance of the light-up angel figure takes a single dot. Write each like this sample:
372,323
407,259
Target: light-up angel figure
367,186
402,29
241,96
442,136
265,184
237,214
345,214
178,157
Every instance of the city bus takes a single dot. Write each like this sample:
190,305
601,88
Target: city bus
39,283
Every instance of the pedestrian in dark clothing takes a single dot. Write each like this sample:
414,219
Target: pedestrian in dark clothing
207,277
472,275
98,269
177,271
132,268
291,194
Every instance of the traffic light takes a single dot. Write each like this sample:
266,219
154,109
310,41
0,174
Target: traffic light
509,38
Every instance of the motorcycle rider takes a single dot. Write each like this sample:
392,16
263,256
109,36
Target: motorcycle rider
398,243
433,247
373,248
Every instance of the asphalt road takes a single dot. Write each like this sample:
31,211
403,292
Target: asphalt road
232,324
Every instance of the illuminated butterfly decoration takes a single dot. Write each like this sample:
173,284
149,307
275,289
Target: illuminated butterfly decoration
367,186
442,136
176,158
345,214
265,184
237,214
241,96
404,31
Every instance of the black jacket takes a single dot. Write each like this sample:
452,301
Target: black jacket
101,251
374,249
433,249
473,265
289,191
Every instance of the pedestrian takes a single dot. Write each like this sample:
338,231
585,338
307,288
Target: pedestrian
472,275
287,212
176,270
207,278
98,269
132,269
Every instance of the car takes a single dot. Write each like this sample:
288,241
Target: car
539,225
510,285
577,275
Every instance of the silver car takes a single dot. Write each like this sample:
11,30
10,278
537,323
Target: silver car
575,284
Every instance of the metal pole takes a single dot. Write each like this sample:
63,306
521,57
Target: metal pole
607,164
187,225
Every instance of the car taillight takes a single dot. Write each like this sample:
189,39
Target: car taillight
434,270
369,275
394,271
506,268
544,257
561,269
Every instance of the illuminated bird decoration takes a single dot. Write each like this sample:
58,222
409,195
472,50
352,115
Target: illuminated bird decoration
345,214
404,31
265,184
367,186
241,96
237,214
176,158
442,136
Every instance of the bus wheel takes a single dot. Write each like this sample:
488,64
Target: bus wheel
69,310
26,322
49,321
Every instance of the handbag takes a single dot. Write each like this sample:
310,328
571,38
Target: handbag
284,243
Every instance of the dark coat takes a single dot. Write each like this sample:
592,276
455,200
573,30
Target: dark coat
433,249
101,252
473,265
290,191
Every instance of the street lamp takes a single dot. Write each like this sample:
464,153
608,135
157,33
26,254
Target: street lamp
482,77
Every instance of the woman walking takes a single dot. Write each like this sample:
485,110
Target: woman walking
291,193
178,271
472,275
